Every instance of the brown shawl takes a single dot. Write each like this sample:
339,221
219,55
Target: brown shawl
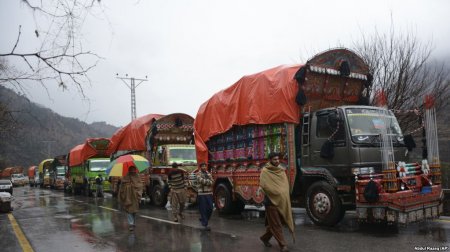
273,181
130,193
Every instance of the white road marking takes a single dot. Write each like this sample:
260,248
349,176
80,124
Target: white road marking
112,209
152,218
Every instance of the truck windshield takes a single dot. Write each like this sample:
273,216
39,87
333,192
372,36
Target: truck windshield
367,124
60,170
182,155
16,175
99,165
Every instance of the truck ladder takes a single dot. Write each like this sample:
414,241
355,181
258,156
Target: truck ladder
306,128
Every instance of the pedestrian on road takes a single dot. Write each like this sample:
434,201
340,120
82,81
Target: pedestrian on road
204,197
130,192
99,184
177,186
274,183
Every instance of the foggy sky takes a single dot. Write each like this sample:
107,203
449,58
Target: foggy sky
192,49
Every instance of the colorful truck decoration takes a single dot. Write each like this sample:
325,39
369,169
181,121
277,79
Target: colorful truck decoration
331,144
170,140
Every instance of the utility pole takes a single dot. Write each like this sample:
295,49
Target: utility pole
132,86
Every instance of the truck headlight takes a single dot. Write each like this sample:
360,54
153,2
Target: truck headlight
363,170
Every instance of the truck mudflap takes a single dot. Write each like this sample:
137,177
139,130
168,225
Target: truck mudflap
401,207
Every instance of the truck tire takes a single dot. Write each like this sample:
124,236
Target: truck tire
323,204
159,196
224,201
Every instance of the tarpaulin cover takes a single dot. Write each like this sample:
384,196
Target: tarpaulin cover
43,163
82,152
263,98
132,136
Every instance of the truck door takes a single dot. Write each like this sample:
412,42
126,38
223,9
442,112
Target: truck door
326,125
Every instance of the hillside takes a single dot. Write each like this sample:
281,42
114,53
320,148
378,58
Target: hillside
41,133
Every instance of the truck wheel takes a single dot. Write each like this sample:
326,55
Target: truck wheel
159,196
223,199
323,204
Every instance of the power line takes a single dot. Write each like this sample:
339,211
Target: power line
132,86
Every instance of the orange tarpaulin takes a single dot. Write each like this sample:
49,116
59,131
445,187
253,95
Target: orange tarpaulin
263,98
132,136
82,152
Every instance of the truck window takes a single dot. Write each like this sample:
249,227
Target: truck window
98,165
324,130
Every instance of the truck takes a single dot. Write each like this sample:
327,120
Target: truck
44,173
86,161
163,140
58,171
130,139
170,140
332,144
32,172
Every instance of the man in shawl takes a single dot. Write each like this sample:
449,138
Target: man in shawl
130,192
273,181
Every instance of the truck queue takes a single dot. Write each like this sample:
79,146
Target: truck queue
338,153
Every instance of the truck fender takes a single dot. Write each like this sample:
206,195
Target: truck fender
157,180
309,174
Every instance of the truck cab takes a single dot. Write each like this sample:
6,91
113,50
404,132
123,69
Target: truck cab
337,142
170,140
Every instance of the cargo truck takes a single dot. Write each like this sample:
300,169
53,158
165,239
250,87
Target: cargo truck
86,161
163,140
32,172
332,145
130,139
44,173
58,171
170,140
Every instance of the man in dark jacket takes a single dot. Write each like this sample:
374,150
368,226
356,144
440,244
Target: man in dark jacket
204,197
177,186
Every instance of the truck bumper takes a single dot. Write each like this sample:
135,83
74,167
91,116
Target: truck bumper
402,207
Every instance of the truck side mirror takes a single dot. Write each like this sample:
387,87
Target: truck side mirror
333,119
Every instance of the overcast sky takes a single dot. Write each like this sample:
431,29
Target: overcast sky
191,49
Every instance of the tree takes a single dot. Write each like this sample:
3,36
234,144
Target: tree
401,66
57,57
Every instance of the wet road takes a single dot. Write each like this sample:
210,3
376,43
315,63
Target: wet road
52,221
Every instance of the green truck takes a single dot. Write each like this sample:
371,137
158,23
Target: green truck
86,161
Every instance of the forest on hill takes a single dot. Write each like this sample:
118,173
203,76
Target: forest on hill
40,133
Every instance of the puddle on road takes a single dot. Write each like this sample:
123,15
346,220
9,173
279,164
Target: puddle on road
64,216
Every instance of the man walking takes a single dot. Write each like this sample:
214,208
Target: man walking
177,186
99,185
204,198
273,181
130,193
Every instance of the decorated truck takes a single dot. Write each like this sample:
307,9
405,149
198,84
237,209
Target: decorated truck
334,148
32,173
44,173
58,171
163,140
170,140
130,139
86,161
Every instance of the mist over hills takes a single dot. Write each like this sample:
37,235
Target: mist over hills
40,133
